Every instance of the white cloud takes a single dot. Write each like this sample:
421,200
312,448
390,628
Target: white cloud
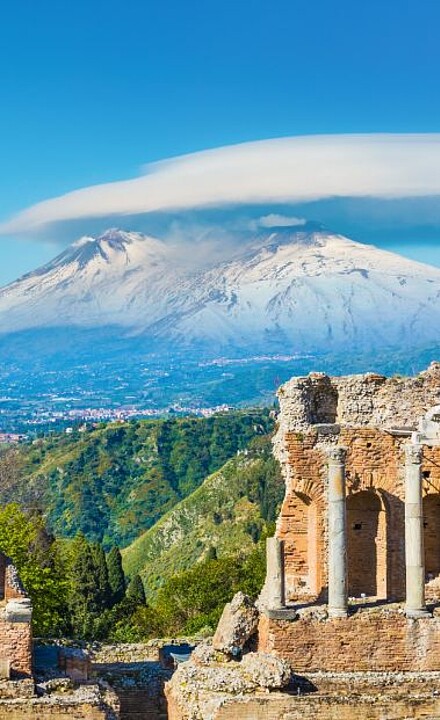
299,169
274,220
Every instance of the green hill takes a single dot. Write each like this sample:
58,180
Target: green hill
225,516
113,481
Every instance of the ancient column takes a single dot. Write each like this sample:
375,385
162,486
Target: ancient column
337,533
414,541
275,574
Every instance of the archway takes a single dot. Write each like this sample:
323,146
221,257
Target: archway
431,513
366,545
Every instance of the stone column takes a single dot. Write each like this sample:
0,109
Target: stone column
337,533
414,541
275,574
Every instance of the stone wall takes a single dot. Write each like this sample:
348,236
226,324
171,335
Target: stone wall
15,619
16,646
367,641
279,707
13,587
91,702
365,410
21,710
320,403
358,400
327,697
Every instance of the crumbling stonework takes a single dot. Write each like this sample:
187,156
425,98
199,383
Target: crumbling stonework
200,687
368,400
327,696
85,703
371,417
15,623
358,533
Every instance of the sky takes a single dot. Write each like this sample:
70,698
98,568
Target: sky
92,92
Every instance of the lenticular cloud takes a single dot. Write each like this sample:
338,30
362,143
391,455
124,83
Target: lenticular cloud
298,169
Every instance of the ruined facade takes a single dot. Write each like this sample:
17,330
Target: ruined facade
360,522
15,624
352,593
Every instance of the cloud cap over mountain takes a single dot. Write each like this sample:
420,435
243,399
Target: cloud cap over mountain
297,169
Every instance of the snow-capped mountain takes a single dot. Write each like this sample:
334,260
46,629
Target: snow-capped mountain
109,280
288,288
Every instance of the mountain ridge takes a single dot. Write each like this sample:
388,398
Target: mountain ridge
288,287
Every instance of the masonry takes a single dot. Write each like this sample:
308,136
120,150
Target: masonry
360,523
352,593
15,624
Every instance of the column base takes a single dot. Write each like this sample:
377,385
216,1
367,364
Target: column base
417,613
337,612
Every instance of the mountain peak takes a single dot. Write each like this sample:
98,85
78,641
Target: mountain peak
115,238
84,240
284,287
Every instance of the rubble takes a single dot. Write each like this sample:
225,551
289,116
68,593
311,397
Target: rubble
266,671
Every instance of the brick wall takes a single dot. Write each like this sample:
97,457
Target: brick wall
302,521
16,645
138,704
375,513
277,707
367,641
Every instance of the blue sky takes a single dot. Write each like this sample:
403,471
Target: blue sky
91,91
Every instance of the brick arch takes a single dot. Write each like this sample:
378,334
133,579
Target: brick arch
312,488
367,544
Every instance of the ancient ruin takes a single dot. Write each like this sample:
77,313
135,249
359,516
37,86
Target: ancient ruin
352,594
15,624
360,518
348,621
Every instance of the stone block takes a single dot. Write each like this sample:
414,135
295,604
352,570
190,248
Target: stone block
18,610
237,624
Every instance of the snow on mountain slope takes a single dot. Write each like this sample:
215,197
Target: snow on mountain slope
311,291
287,289
109,280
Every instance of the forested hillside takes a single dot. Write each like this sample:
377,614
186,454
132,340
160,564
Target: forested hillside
114,481
226,516
178,573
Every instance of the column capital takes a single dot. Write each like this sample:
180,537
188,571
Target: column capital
413,454
336,454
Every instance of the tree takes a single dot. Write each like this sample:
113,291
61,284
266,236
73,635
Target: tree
84,602
136,592
104,596
10,470
116,575
23,538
